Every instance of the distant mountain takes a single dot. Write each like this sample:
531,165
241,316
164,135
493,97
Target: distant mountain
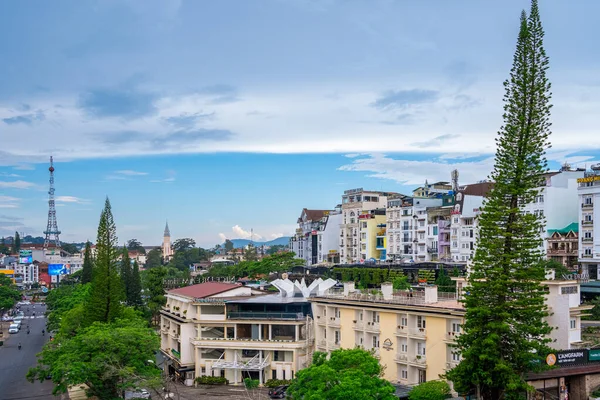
240,243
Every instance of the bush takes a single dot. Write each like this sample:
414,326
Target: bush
271,383
432,390
211,380
251,383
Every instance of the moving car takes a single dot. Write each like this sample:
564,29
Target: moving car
14,328
278,392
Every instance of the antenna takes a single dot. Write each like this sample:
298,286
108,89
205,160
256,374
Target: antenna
51,231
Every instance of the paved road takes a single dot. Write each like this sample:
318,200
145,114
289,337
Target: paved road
15,363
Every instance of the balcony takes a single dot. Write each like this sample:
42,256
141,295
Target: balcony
401,357
176,354
358,325
418,332
334,321
432,250
401,330
587,205
373,327
587,223
266,315
419,359
587,256
322,343
588,239
451,336
421,228
334,345
451,364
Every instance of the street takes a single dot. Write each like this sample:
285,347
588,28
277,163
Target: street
15,363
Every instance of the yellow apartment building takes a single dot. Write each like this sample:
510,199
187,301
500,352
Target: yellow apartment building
372,232
412,335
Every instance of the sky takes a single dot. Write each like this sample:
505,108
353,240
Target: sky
229,117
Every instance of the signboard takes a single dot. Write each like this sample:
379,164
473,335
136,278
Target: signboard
581,278
58,269
568,357
387,344
589,179
352,191
594,355
25,257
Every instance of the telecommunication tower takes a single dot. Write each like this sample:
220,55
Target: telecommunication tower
51,231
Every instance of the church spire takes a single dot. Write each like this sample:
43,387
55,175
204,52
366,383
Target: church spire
167,233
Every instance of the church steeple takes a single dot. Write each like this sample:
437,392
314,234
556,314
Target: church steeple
167,233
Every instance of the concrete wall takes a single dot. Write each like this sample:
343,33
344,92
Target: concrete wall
435,347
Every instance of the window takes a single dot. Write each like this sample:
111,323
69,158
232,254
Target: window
455,327
337,337
587,200
403,321
587,235
403,374
568,290
588,251
403,348
573,323
375,317
455,245
455,357
375,341
420,322
588,218
421,348
539,199
422,376
435,230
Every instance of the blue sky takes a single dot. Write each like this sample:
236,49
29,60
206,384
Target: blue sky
231,115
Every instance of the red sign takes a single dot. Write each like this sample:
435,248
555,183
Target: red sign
313,232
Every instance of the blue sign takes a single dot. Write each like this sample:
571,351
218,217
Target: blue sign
25,257
44,289
58,269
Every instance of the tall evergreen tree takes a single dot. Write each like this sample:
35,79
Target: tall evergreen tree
505,333
107,288
88,264
126,274
136,286
17,243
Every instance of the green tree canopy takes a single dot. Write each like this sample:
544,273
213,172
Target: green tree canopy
348,375
153,283
432,390
9,294
154,258
134,244
16,243
183,244
135,290
64,299
107,289
505,331
88,264
228,245
101,357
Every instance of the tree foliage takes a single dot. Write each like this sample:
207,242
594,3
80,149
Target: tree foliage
135,245
183,244
505,332
153,283
348,375
432,390
276,263
107,288
153,258
126,274
88,264
9,294
16,243
559,268
101,357
228,245
63,299
135,291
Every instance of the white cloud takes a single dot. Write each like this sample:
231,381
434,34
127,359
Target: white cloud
412,172
273,236
16,185
71,199
223,237
170,177
240,233
129,172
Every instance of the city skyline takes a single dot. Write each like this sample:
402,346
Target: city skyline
176,116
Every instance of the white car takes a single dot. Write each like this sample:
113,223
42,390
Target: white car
13,328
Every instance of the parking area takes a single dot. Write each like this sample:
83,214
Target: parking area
182,392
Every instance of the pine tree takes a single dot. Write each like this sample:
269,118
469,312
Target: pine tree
136,286
88,264
126,274
17,243
107,289
505,333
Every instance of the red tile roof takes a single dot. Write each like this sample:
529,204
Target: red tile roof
203,290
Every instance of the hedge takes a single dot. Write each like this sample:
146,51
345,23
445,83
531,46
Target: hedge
271,383
211,380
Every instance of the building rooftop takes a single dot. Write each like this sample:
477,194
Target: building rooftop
269,298
572,227
313,215
203,290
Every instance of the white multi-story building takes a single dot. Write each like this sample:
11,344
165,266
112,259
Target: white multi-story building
557,201
29,272
408,231
236,332
354,203
317,236
589,222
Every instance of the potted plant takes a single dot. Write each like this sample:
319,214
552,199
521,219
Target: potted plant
184,312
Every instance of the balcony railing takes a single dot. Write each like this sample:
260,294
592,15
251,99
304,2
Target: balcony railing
418,332
401,330
265,315
588,239
587,256
452,335
419,359
451,364
587,205
334,321
359,325
401,357
334,345
373,326
587,222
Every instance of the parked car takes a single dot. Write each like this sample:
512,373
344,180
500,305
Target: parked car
137,394
14,328
278,392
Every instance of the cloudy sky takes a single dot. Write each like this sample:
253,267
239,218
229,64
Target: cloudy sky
226,116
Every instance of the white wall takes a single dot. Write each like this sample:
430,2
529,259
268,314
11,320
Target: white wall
330,236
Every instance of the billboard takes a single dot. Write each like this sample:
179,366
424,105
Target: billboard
25,257
59,269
